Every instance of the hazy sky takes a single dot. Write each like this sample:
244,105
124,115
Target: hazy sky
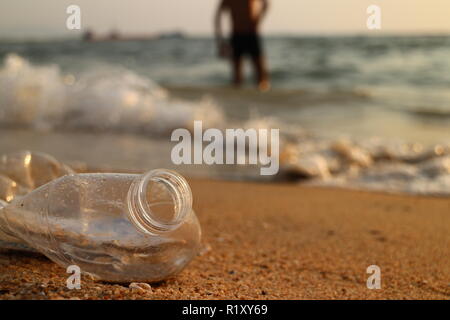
47,17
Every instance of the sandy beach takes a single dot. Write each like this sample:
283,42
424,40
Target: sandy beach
281,241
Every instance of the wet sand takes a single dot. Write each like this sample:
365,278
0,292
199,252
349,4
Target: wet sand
281,241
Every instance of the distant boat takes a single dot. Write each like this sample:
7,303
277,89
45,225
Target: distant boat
172,35
90,36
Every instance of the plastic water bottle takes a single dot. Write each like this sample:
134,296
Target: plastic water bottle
114,227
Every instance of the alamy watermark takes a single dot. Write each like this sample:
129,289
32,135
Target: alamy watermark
237,146
374,281
74,281
73,21
374,19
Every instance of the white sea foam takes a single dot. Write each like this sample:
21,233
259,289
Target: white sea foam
115,98
372,164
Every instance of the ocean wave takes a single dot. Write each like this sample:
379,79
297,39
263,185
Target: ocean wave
112,98
370,164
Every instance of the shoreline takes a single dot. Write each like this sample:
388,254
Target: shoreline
282,241
397,168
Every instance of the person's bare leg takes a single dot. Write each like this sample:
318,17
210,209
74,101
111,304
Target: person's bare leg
261,74
236,64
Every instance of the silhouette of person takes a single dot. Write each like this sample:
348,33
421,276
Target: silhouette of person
246,17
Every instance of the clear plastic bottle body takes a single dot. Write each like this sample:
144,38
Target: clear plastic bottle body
89,220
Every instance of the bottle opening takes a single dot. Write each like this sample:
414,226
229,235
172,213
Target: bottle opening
159,201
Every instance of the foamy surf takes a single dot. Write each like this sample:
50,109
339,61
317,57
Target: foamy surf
43,97
373,164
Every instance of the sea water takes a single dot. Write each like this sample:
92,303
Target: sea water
366,112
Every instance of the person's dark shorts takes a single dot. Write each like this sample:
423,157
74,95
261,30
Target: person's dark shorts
246,45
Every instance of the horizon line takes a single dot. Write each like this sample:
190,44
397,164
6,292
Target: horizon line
365,33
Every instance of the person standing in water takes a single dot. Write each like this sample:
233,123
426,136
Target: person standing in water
246,17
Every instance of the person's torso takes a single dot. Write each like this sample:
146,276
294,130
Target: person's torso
244,16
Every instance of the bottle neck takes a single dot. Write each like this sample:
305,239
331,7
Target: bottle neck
159,201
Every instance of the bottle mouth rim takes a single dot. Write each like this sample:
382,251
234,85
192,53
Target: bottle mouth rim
139,208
